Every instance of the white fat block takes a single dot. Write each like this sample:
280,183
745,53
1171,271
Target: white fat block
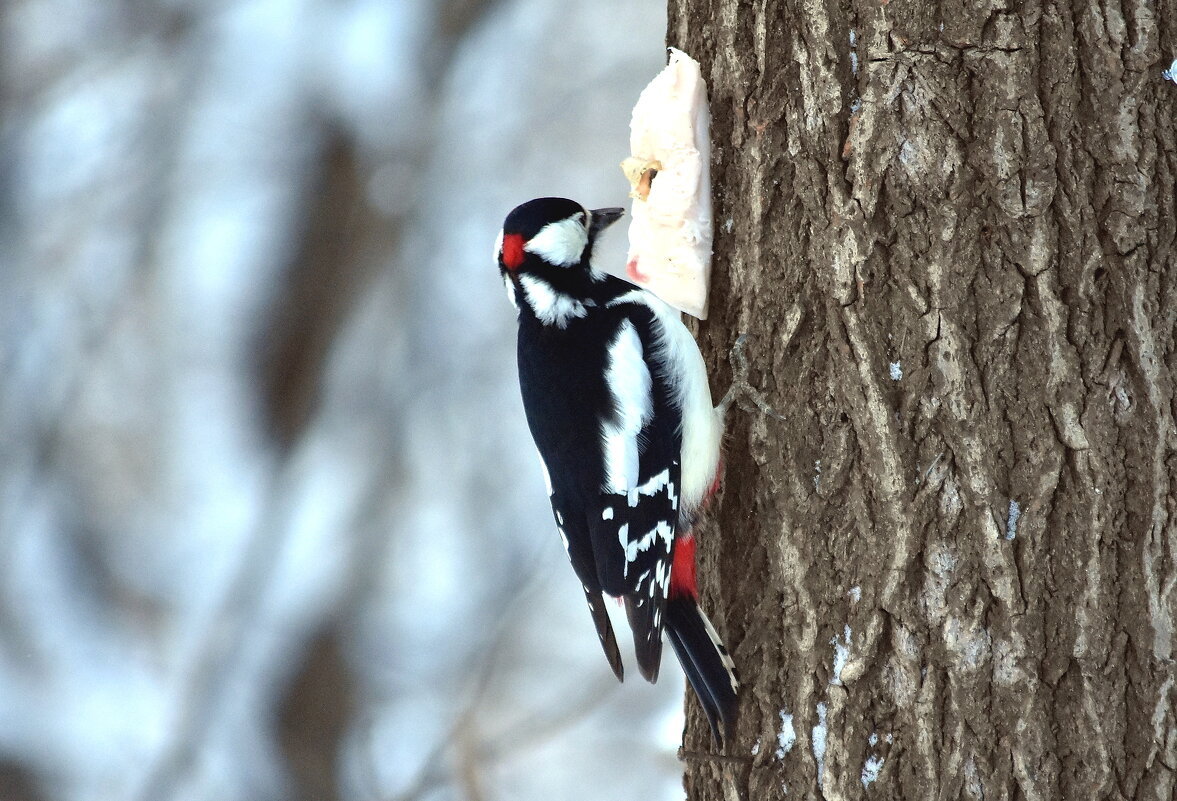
670,174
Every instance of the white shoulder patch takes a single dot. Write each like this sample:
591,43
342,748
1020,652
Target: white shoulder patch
561,243
702,426
551,307
628,379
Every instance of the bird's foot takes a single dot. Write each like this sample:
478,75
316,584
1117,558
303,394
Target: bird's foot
740,389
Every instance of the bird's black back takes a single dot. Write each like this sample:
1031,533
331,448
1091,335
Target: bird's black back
566,398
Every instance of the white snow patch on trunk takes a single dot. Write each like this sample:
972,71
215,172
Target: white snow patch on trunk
818,736
787,736
841,655
1011,525
871,769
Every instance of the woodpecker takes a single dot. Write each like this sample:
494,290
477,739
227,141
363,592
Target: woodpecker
616,396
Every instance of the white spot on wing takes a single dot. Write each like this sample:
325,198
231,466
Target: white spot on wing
607,514
644,543
550,306
561,243
667,533
623,535
662,575
653,487
628,379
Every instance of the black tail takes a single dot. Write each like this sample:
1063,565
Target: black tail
605,631
645,621
705,660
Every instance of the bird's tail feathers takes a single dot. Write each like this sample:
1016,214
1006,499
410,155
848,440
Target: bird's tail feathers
645,620
596,605
708,667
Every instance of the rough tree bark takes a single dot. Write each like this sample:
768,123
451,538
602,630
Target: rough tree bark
948,231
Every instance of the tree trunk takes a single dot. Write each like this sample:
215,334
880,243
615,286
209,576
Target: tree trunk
950,571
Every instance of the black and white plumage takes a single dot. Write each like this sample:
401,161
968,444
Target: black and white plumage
616,396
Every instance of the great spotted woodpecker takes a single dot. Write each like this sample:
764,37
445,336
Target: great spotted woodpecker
616,396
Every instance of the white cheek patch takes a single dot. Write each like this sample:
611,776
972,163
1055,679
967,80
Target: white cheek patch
628,379
561,243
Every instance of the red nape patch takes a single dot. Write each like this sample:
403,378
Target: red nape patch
682,573
512,251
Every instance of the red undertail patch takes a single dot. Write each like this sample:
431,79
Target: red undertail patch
682,573
512,251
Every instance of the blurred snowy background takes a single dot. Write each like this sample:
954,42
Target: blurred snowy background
271,526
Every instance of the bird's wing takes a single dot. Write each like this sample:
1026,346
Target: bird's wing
578,543
633,526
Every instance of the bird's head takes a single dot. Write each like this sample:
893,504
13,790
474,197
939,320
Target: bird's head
550,236
545,251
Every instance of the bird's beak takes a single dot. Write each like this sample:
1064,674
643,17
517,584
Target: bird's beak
603,218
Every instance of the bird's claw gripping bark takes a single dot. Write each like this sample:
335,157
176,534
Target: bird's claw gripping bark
740,389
